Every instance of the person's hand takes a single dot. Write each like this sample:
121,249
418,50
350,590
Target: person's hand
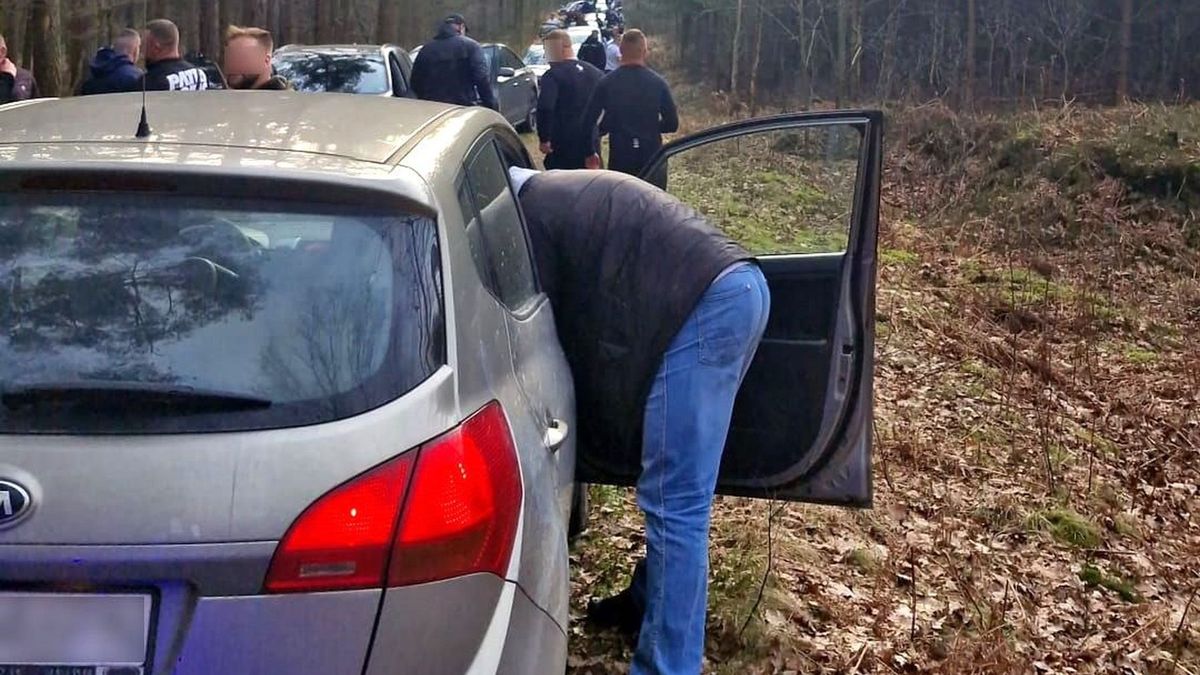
8,67
546,148
592,163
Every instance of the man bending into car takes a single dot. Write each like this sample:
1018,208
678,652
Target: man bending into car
659,315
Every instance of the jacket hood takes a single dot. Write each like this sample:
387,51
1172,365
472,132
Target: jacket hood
107,61
446,31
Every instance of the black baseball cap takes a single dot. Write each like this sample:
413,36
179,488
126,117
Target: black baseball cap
456,18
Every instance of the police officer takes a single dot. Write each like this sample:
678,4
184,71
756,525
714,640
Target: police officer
451,68
637,107
565,91
165,68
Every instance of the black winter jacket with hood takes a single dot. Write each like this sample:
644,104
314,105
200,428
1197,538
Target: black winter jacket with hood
624,265
451,69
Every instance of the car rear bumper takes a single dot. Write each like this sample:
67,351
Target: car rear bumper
477,624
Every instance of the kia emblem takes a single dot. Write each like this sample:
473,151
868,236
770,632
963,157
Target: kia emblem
14,502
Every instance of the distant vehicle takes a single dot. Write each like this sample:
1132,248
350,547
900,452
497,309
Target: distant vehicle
216,78
515,86
374,70
535,59
591,18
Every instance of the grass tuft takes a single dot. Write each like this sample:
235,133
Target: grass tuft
1067,527
1096,577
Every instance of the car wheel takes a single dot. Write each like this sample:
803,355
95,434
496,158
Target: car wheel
579,512
530,124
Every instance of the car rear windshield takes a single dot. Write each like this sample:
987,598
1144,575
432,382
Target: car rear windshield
349,73
268,314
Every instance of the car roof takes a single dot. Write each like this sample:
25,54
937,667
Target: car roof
383,128
347,49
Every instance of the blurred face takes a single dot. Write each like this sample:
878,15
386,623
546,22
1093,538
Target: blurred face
3,51
557,50
247,63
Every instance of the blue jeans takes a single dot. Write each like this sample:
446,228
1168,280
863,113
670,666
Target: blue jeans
686,423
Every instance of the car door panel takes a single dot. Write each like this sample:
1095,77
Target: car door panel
539,370
801,427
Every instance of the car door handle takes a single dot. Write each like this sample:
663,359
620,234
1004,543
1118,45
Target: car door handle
556,434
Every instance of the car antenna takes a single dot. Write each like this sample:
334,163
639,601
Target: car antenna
143,130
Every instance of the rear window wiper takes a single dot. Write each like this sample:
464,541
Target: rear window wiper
123,395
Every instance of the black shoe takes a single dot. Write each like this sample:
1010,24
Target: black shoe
620,612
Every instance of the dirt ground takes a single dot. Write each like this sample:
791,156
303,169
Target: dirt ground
1037,425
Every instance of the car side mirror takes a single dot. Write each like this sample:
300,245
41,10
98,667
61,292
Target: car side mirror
507,72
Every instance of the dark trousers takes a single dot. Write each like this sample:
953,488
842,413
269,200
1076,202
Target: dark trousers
625,157
564,160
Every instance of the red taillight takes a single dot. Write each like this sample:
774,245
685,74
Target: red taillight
344,539
457,515
462,510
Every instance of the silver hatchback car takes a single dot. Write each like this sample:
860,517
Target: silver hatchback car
281,393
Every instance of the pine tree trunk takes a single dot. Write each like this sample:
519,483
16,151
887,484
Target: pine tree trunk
856,53
49,57
735,58
842,67
1123,52
805,60
387,28
758,40
969,90
210,27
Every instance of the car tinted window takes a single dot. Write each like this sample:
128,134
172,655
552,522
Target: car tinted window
323,313
343,73
510,60
501,230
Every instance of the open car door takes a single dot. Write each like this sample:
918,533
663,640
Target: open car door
801,192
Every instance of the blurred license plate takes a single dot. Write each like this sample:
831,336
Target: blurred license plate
73,634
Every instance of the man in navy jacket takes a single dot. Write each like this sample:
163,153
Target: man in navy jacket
112,68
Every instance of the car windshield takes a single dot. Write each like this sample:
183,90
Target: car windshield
315,313
536,56
342,73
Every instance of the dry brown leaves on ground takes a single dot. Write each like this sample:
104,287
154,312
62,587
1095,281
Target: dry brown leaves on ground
1037,437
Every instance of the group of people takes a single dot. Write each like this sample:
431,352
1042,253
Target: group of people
578,103
114,69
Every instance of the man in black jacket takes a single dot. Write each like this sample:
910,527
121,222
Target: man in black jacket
451,68
112,69
592,51
637,107
16,84
659,315
564,93
165,68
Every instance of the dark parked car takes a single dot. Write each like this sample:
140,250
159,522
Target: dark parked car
378,70
516,86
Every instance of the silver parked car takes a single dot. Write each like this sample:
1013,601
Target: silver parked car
281,393
378,70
